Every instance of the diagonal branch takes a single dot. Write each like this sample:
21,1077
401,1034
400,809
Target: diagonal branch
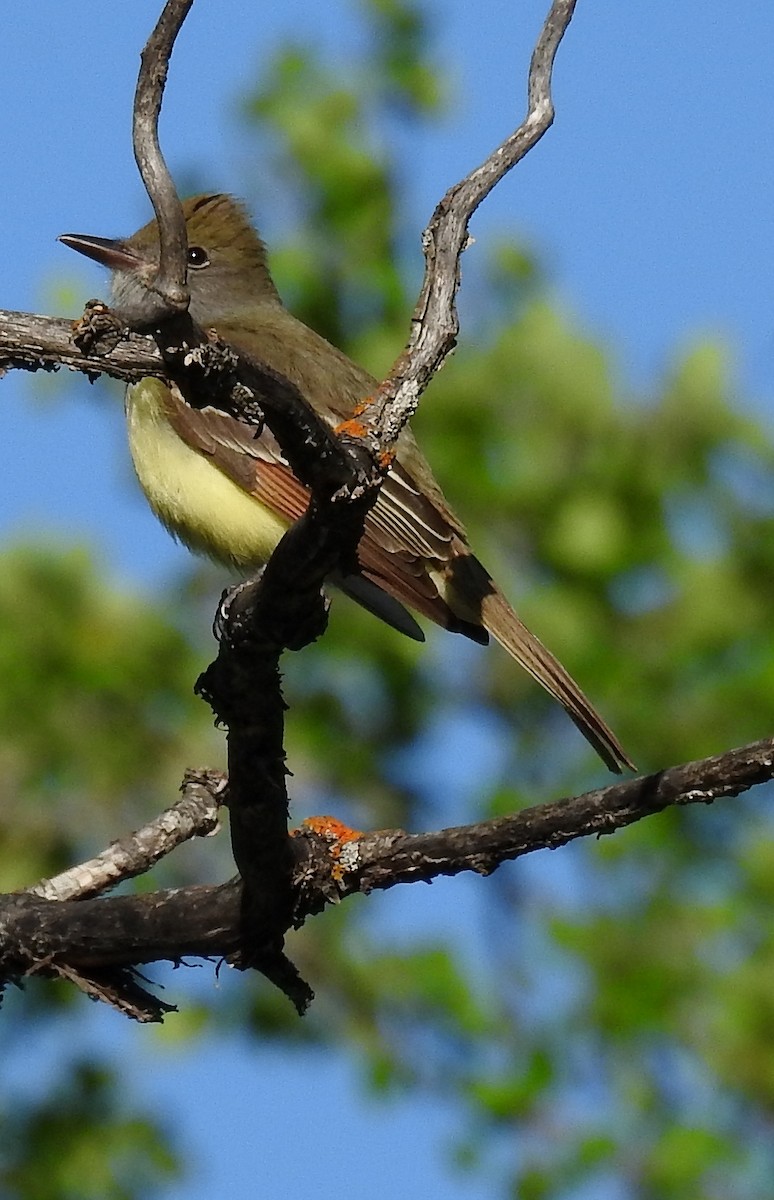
484,847
194,815
94,940
435,323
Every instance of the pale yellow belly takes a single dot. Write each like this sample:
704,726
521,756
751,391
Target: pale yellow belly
194,500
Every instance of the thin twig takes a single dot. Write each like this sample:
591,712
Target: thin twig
194,815
170,288
435,323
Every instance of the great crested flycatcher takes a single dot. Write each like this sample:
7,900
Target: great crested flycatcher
230,495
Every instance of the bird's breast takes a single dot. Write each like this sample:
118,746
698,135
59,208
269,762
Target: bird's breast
195,500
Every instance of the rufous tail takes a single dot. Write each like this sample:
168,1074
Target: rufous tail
499,618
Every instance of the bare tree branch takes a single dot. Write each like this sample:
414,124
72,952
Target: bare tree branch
170,289
35,343
194,815
484,847
94,940
435,323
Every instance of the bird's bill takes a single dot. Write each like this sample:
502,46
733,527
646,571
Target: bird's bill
109,252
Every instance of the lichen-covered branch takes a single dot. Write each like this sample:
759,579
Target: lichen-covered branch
98,942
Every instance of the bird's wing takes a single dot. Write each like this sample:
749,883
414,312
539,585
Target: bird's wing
407,543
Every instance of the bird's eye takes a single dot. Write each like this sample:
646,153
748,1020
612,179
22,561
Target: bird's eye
198,257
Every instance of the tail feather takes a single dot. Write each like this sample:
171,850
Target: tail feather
459,594
499,618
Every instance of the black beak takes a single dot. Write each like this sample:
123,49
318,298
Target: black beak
109,252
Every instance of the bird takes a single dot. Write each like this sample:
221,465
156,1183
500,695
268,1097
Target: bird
229,494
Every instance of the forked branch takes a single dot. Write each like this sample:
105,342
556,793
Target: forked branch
97,943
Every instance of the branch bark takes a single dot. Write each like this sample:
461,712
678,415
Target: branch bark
97,943
29,342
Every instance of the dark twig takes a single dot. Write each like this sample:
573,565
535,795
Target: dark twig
170,290
386,859
118,987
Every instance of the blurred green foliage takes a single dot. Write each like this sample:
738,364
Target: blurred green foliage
77,1144
610,1024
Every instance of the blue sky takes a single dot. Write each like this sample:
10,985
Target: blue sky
650,202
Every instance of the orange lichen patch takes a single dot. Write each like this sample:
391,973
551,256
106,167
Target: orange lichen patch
338,836
332,829
351,427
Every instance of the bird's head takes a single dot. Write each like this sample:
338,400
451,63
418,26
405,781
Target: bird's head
227,267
